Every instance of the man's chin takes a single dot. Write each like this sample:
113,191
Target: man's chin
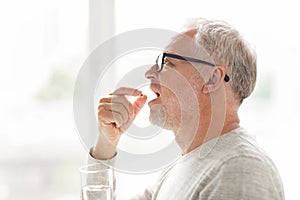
158,116
156,122
159,122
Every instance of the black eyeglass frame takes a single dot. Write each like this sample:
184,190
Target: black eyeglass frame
161,66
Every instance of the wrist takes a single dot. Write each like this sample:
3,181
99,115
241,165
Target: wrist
103,149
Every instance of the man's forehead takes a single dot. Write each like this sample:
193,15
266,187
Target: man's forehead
180,43
184,44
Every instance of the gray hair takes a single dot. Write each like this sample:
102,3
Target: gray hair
227,48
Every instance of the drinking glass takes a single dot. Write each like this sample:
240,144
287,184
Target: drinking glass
96,182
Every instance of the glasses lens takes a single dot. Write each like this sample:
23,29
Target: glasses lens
159,63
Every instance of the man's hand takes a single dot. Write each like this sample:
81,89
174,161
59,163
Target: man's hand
115,115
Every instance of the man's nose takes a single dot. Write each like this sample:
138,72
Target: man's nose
151,73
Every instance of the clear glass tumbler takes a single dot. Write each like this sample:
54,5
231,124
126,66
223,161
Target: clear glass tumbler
96,182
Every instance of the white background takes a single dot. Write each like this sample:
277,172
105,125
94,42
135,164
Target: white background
44,43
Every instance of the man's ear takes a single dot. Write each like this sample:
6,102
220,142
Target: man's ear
215,80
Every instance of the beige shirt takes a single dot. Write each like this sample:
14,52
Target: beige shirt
231,166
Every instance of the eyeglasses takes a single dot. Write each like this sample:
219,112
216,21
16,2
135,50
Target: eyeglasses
160,61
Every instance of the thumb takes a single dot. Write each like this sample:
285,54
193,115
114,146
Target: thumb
139,104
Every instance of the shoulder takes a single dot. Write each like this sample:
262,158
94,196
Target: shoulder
251,166
246,161
245,177
242,169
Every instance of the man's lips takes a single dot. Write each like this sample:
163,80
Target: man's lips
154,101
155,88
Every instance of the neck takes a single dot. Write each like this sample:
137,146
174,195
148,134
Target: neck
218,115
208,129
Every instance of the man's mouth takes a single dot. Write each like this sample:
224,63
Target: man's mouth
157,94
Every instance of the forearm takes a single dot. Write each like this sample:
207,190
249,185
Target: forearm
103,149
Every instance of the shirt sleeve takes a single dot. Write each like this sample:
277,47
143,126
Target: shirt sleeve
244,178
92,160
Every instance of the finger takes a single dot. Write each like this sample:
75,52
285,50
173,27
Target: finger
116,107
127,91
139,103
114,99
137,106
119,99
110,117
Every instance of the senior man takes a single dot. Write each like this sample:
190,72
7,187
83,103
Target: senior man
200,80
